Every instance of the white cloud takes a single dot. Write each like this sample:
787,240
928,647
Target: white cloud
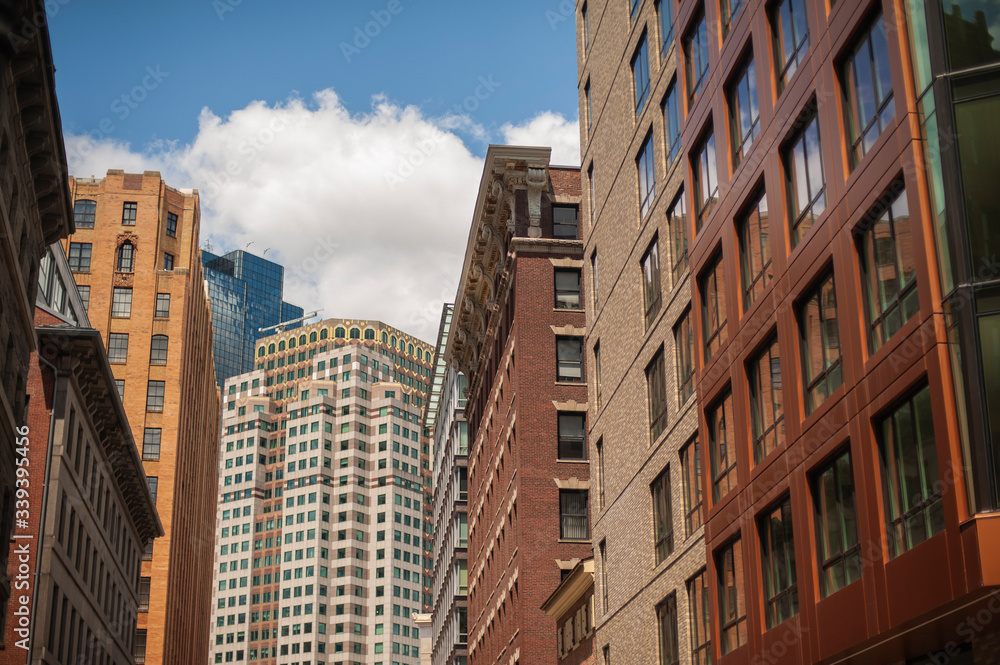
548,129
369,213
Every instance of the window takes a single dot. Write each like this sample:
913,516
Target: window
666,626
118,347
691,476
569,359
172,224
151,443
143,594
567,283
566,221
684,352
663,519
572,444
645,165
665,14
139,646
129,210
640,74
867,84
600,473
744,113
696,56
819,338
699,619
634,7
722,446
593,275
602,548
153,482
836,525
158,350
730,9
791,38
84,213
597,372
592,192
712,285
656,390
888,270
677,224
650,266
755,252
672,120
706,179
732,596
586,26
777,558
589,107
84,290
120,387
79,256
155,391
163,305
767,416
573,523
972,32
804,175
121,302
126,254
168,261
911,487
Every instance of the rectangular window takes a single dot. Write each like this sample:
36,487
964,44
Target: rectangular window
777,558
911,488
677,223
151,443
129,209
790,30
153,482
155,391
684,353
138,646
722,446
696,57
158,350
168,261
84,290
804,177
597,372
120,387
569,359
706,180
589,108
837,544
819,338
672,120
699,619
634,7
730,9
666,627
691,476
585,20
656,391
663,519
712,285
593,277
567,287
744,113
79,256
888,270
665,14
603,549
600,473
592,193
172,224
573,523
767,415
650,266
732,596
645,165
162,305
572,443
118,347
121,302
566,221
84,213
640,74
867,84
126,257
755,252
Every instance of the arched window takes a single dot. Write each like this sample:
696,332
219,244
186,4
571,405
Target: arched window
393,343
340,332
302,340
84,213
260,352
126,254
323,333
355,333
312,336
270,347
158,350
369,334
402,345
281,345
385,337
409,349
291,342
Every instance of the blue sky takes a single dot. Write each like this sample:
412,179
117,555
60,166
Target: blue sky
224,54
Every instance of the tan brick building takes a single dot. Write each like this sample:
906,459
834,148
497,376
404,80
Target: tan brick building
136,260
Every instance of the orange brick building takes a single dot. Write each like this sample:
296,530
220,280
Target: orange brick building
136,260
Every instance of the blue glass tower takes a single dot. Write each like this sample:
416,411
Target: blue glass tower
246,294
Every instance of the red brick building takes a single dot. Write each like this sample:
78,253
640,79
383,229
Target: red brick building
518,337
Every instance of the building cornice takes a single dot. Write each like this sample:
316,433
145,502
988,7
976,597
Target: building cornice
570,590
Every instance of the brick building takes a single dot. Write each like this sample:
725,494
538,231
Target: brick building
136,260
35,201
572,606
841,233
517,335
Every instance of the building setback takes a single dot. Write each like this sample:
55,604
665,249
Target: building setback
834,160
35,201
320,544
88,506
517,334
136,260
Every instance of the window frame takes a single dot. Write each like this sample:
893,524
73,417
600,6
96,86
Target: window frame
156,391
563,296
745,73
826,558
777,561
723,452
737,622
645,167
684,355
119,307
564,440
759,434
709,295
678,240
666,27
663,518
150,447
831,377
691,486
667,629
701,640
564,515
159,346
162,313
656,394
84,217
859,143
641,87
130,213
125,260
118,347
749,234
560,362
575,208
696,37
786,66
652,288
705,177
803,215
79,256
172,220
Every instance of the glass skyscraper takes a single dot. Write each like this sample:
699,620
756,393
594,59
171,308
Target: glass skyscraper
246,294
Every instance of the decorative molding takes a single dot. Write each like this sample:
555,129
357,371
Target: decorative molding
572,484
536,179
571,405
568,330
567,263
568,564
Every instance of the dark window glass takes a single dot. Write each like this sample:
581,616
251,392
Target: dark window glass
566,221
79,256
158,350
567,287
790,29
706,180
586,26
755,250
139,646
699,619
972,30
767,416
121,302
163,306
805,181
777,554
672,121
819,337
722,446
573,523
143,594
677,222
713,307
744,113
665,14
168,261
589,107
172,225
696,57
836,518
640,74
126,255
645,164
153,483
691,475
84,290
129,210
663,519
732,597
120,387
684,351
597,372
118,347
572,443
666,627
569,359
151,443
867,84
154,395
730,9
634,7
84,213
656,390
651,295
600,473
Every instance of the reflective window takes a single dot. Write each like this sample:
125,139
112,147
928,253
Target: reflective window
819,337
867,83
806,185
